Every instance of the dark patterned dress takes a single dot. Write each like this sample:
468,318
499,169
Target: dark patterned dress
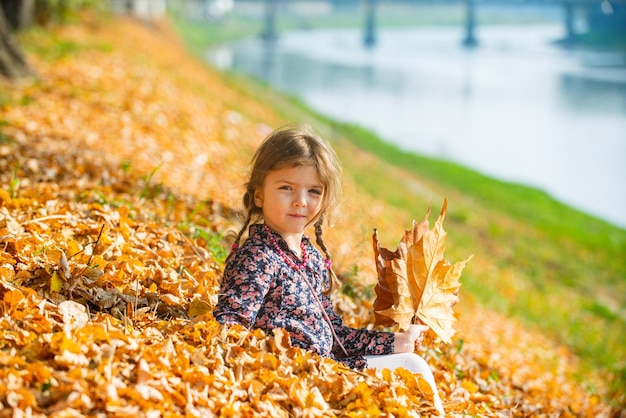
260,290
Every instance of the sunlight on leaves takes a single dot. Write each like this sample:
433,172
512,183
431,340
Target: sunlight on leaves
416,282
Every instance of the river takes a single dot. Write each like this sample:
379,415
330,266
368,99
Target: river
517,108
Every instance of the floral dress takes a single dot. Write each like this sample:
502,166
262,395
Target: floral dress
260,290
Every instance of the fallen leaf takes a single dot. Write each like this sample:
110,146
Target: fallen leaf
198,307
415,282
64,266
74,315
56,284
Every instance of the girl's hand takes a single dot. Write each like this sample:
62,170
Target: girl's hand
405,340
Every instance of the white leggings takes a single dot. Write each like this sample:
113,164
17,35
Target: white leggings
411,362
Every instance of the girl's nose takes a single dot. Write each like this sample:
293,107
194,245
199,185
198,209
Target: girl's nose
299,200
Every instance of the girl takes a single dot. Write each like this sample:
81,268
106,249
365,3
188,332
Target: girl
278,279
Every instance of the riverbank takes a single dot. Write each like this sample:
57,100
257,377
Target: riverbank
153,145
564,270
420,90
539,261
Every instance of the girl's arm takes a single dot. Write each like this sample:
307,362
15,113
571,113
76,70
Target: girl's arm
358,342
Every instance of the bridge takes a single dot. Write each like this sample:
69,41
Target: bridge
600,15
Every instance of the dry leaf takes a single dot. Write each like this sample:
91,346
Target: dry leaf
64,266
66,142
416,281
74,315
56,284
198,307
92,273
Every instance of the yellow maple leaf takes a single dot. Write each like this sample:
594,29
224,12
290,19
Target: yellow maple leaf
416,282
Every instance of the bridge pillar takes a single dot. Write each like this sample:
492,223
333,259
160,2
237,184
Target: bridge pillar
570,33
470,24
369,39
270,32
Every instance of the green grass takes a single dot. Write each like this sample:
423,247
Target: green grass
570,268
49,47
519,201
553,267
200,35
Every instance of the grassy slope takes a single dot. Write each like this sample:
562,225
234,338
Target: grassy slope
535,259
553,267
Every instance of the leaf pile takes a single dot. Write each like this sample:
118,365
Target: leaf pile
417,281
99,365
116,169
106,310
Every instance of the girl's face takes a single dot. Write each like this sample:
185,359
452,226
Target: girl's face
290,199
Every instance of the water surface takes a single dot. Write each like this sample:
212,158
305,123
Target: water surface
517,108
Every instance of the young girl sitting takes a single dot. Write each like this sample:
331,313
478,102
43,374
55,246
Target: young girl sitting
279,279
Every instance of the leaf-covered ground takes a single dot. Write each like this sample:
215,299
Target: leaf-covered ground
121,170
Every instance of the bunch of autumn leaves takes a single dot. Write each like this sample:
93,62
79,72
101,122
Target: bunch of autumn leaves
415,283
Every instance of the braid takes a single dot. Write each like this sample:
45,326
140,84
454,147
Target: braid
247,199
333,281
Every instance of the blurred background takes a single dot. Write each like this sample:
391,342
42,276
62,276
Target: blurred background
532,92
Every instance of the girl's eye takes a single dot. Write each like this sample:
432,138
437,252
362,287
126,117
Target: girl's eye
285,187
316,191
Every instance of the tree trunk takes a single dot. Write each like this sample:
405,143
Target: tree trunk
19,14
13,65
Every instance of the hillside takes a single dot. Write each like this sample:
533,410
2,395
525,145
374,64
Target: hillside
121,172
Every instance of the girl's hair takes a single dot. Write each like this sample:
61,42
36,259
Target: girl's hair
292,146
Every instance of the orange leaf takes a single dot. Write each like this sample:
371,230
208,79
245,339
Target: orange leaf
416,281
12,299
